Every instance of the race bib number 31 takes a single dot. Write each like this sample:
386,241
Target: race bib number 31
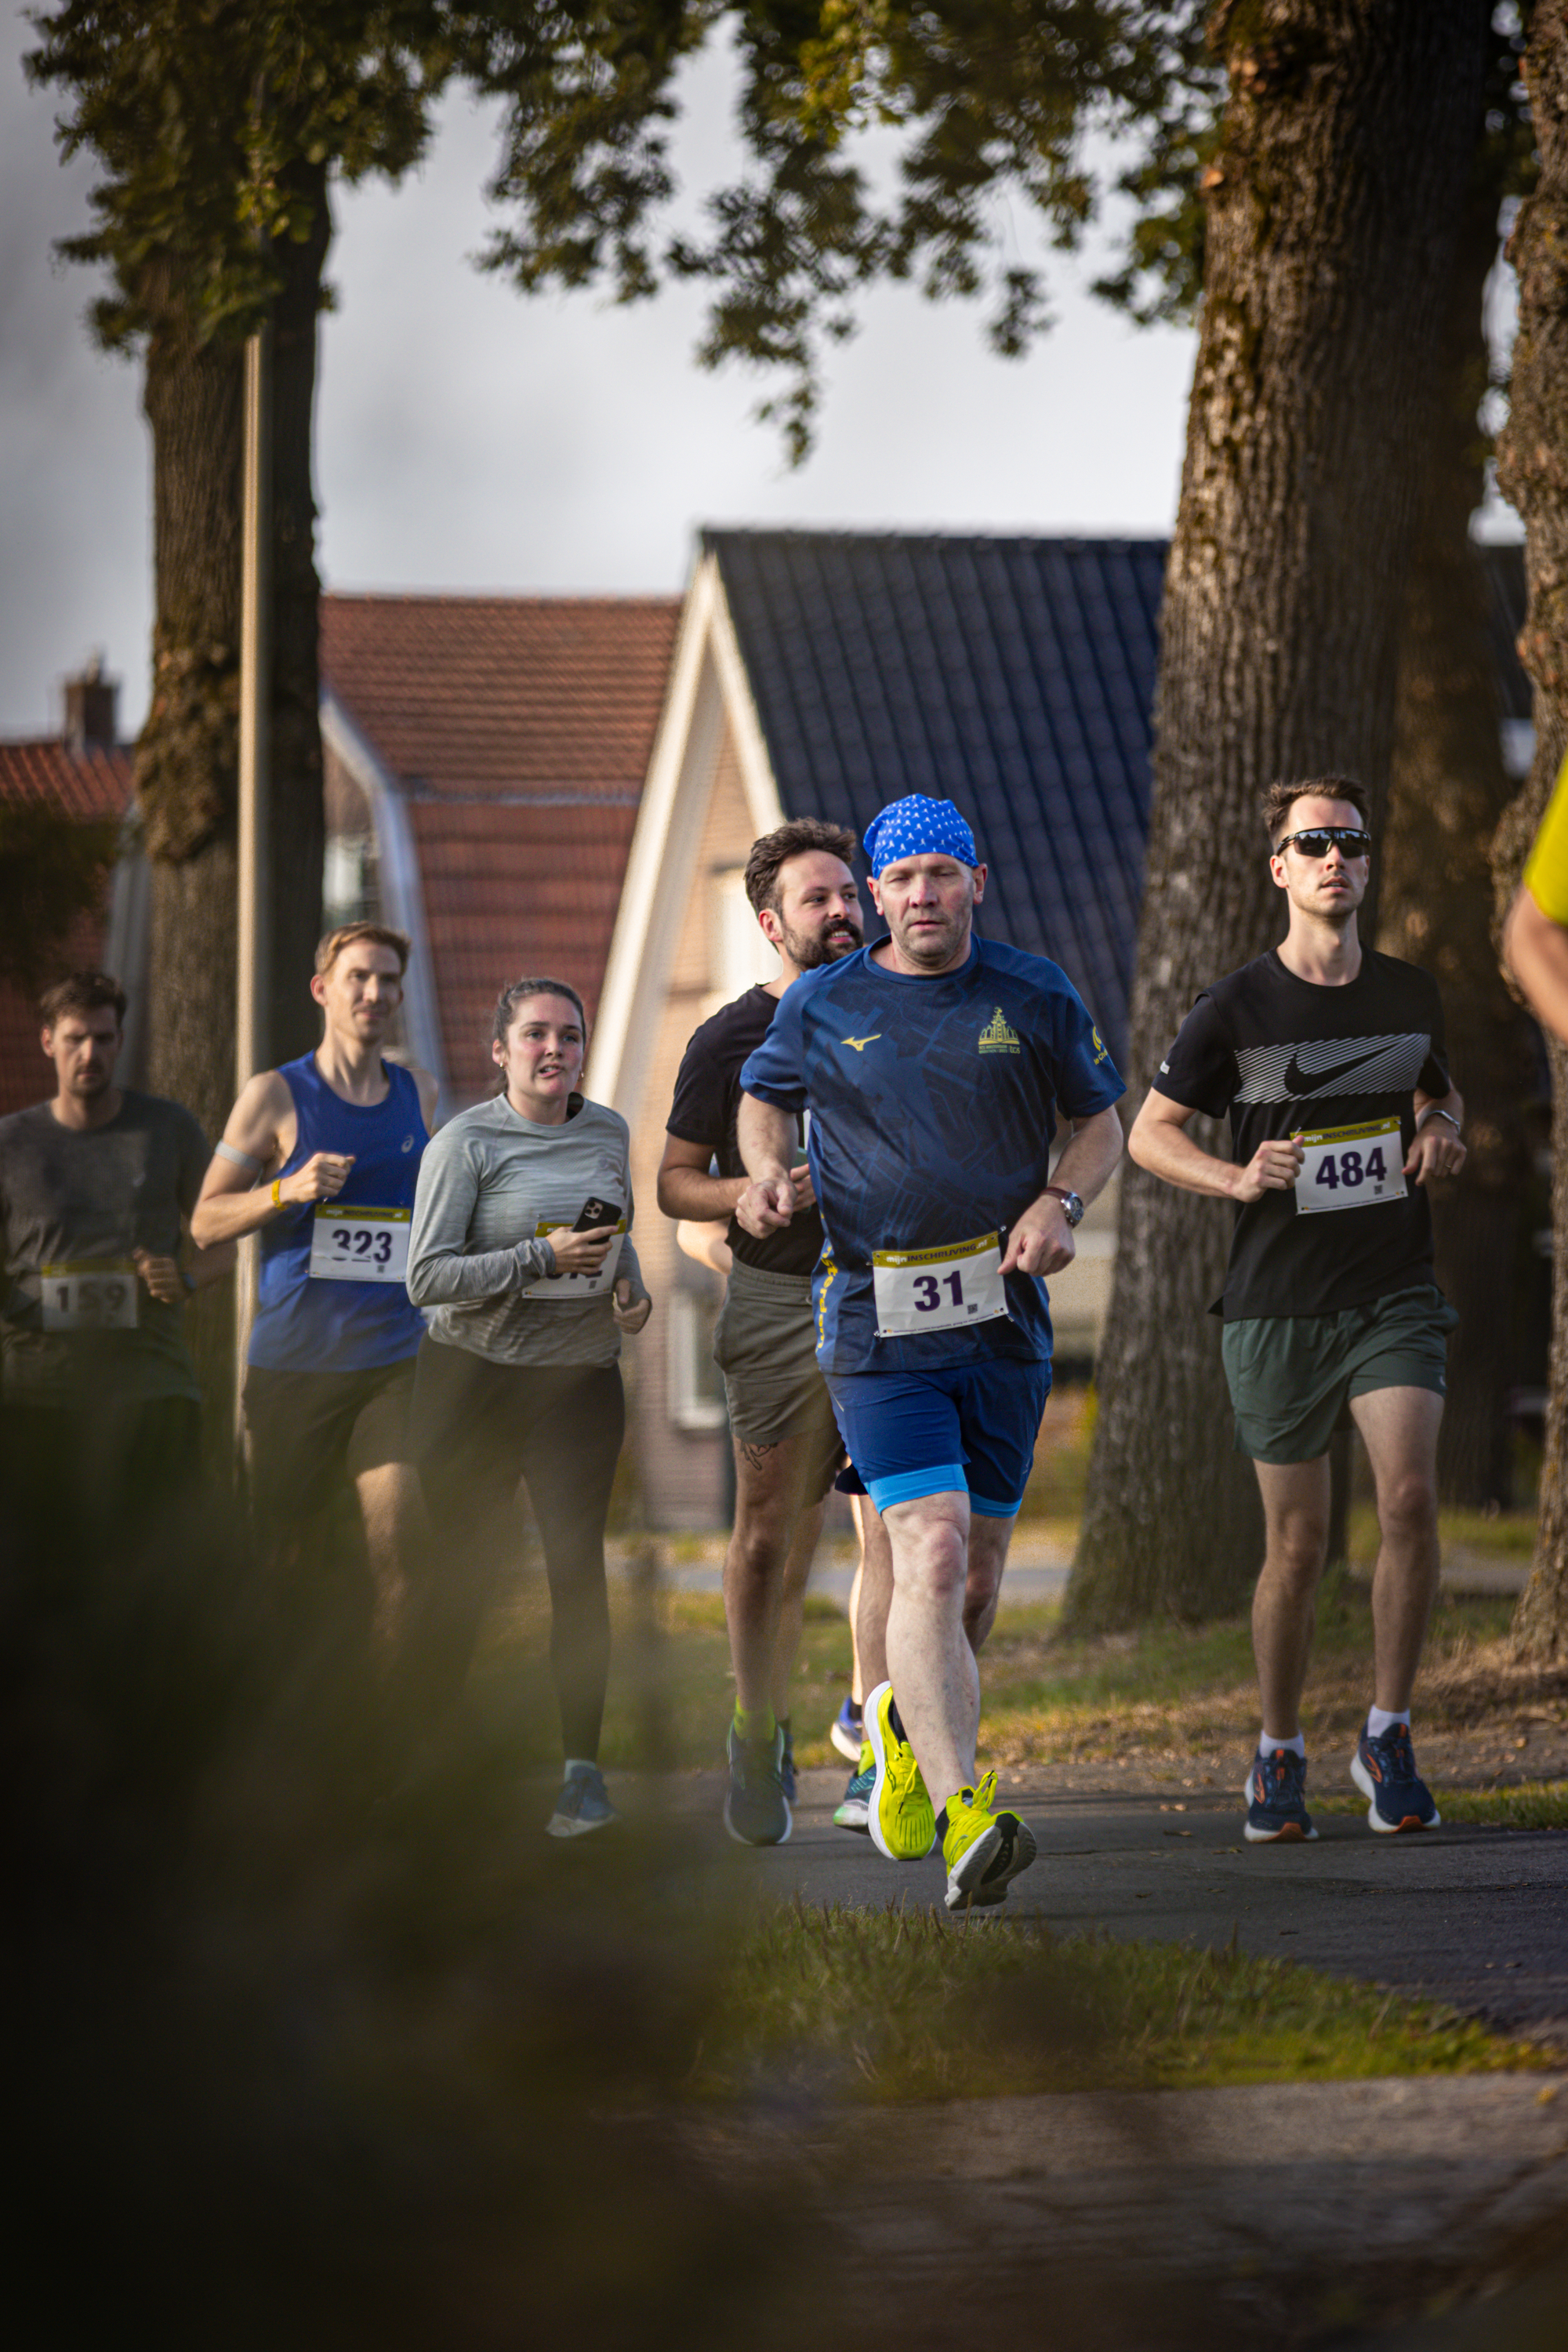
939,1289
360,1244
97,1296
1351,1168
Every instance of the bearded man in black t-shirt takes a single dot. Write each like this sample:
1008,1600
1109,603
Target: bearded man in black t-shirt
787,1446
1329,1059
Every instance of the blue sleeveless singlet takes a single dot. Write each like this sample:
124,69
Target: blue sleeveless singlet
306,1324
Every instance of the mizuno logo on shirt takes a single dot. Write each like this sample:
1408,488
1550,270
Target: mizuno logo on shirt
860,1044
998,1036
1331,1065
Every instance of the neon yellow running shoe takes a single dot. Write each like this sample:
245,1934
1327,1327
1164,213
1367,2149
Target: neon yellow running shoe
900,1813
982,1849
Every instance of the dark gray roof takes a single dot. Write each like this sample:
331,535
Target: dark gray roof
1013,676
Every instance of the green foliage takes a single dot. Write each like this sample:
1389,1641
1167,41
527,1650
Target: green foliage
202,113
53,868
897,2005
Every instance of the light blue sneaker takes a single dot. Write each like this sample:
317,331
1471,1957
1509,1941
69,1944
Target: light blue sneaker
853,1811
582,1805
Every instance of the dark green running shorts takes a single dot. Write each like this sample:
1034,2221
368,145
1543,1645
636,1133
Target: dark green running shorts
1292,1376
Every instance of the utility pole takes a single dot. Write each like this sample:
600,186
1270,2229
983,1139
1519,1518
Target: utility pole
253,995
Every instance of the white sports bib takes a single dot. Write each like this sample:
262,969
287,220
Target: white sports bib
95,1295
360,1244
939,1289
559,1289
1351,1168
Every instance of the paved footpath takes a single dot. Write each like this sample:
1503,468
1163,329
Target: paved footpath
1291,2215
1475,1916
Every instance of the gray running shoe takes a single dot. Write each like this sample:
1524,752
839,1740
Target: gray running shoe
756,1811
582,1805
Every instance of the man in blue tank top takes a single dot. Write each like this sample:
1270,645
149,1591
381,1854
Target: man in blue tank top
935,1067
319,1159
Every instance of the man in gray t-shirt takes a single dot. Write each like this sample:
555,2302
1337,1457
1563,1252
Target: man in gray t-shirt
95,1187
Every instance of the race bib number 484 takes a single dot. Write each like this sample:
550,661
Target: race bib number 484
360,1244
1351,1168
939,1289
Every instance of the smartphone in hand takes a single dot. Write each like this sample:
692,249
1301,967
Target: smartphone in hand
595,1213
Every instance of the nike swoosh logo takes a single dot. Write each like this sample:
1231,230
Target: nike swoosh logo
1298,1081
860,1044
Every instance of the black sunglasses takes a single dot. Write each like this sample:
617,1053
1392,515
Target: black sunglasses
1319,839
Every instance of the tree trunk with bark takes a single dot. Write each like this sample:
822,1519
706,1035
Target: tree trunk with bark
299,823
187,759
1449,789
1533,472
1334,205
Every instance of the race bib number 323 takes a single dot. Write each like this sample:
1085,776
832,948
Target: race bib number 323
360,1244
1351,1168
939,1289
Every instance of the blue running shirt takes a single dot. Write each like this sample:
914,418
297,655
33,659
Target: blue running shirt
304,1324
933,1103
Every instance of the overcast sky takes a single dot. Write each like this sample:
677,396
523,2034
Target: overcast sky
469,439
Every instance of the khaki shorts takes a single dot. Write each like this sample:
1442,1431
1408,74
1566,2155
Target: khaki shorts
1292,1376
765,1346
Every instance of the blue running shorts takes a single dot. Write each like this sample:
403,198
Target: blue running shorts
975,1425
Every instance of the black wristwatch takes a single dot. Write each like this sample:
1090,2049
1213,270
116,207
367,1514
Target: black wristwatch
1072,1207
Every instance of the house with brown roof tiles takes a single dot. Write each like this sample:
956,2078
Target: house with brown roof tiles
83,774
485,758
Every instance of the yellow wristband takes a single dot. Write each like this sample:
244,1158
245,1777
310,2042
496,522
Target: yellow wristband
278,1191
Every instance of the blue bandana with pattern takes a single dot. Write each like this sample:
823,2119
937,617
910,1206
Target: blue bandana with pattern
906,828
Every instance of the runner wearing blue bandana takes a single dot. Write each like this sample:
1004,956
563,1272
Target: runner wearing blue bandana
935,1067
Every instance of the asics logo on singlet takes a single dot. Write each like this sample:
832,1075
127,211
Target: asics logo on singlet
860,1044
408,1143
1331,1065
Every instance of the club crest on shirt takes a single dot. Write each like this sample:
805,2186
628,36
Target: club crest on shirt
999,1036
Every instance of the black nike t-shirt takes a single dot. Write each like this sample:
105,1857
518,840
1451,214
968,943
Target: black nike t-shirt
1286,1056
706,1107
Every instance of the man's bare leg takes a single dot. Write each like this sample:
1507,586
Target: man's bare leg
792,1605
1284,1606
1399,1429
930,1662
767,1505
873,1596
392,1507
988,1540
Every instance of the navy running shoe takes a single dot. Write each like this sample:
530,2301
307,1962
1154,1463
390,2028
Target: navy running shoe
1384,1770
756,1811
582,1805
846,1733
786,1761
1276,1792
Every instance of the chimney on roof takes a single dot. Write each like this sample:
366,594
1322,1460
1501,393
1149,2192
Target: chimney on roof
91,709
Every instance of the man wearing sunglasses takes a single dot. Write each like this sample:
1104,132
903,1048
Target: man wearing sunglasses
1329,1058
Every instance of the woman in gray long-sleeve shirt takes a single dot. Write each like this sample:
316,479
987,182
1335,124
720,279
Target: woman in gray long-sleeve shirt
521,1245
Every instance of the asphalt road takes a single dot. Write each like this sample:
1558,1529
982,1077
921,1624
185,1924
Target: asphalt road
1477,1917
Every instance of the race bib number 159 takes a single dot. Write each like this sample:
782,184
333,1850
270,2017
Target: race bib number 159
97,1296
1351,1168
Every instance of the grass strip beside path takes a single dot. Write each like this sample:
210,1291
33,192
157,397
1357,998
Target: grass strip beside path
901,2005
